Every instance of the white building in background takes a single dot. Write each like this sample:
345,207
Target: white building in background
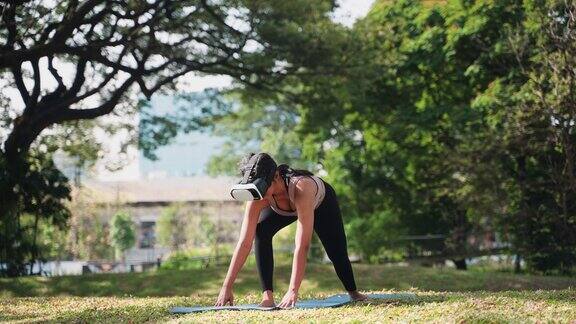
145,200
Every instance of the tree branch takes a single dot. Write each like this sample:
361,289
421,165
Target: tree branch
106,108
54,72
71,97
36,90
75,20
78,78
17,73
90,54
74,99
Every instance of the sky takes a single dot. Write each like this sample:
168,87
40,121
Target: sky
350,10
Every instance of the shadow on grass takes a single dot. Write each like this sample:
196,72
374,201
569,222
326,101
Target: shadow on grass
164,283
568,296
378,277
320,281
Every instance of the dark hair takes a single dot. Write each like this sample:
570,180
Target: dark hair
286,172
263,165
260,165
286,169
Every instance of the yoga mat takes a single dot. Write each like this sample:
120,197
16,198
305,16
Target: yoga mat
332,301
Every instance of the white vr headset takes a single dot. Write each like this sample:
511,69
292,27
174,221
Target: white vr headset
249,191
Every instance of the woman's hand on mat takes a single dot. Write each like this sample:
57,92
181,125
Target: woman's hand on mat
224,297
289,299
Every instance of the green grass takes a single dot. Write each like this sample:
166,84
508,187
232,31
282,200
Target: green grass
443,295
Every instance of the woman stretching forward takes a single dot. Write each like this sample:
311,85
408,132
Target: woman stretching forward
278,196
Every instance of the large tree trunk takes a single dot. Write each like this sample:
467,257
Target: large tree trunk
15,163
517,265
10,232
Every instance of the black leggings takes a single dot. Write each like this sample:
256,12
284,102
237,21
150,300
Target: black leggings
327,225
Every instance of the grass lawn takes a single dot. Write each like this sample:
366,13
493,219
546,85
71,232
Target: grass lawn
443,295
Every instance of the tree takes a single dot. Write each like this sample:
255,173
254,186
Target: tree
122,233
43,193
88,235
471,119
119,48
172,227
384,130
534,136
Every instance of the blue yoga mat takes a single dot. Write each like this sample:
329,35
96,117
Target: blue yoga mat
332,301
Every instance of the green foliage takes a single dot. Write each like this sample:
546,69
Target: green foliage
540,138
207,230
225,162
182,228
172,227
452,119
470,120
377,235
88,236
94,240
39,203
52,242
257,124
38,212
389,147
122,232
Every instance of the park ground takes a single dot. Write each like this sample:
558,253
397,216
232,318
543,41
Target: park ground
444,295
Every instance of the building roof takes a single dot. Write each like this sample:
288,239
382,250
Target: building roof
184,189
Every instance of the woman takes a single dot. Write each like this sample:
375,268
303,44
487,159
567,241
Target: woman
284,195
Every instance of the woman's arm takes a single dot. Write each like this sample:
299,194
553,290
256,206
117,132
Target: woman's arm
244,245
304,201
251,214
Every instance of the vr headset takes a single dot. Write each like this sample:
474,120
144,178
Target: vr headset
248,189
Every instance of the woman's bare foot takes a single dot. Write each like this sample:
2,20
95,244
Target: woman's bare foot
356,296
267,299
267,303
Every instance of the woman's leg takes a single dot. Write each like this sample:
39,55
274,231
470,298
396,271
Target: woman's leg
330,229
268,224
